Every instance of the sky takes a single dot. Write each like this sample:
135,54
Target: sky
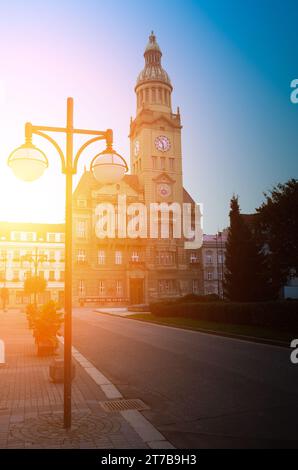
231,64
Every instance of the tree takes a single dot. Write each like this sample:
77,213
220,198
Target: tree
34,285
245,270
277,225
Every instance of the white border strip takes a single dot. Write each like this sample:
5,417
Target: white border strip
147,432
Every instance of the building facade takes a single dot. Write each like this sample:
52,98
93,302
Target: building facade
213,263
138,270
29,250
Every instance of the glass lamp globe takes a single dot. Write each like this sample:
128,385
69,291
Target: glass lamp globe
28,162
108,167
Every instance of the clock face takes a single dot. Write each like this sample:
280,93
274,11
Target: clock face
164,190
162,143
136,148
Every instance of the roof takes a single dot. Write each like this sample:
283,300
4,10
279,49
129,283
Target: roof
88,183
212,238
187,197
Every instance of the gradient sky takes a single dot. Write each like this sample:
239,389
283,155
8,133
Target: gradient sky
231,64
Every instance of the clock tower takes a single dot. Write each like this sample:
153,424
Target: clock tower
155,133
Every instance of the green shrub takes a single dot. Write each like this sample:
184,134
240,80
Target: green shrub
47,323
279,314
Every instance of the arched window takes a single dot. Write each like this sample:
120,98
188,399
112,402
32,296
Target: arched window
209,257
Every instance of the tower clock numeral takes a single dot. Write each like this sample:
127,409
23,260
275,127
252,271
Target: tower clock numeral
162,143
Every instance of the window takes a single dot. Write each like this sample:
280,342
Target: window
81,229
81,288
209,276
220,257
153,95
195,286
52,276
172,164
162,163
101,257
167,286
209,257
15,276
135,257
81,256
165,258
81,203
41,274
154,163
51,237
119,288
118,257
16,236
193,257
101,288
62,276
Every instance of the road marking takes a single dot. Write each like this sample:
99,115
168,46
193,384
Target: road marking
148,433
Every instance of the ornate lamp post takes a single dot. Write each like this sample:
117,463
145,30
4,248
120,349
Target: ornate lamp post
28,163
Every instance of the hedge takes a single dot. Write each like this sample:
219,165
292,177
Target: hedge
276,314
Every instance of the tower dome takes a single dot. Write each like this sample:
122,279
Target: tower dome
153,70
153,87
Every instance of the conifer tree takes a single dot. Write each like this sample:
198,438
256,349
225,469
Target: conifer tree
245,267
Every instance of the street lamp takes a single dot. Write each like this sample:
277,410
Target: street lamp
28,163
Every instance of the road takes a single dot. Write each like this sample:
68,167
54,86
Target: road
203,391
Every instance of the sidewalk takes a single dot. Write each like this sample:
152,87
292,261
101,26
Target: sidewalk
31,407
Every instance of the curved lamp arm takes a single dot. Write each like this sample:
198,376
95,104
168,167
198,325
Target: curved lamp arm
54,143
81,149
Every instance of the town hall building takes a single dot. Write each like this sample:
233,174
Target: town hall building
116,271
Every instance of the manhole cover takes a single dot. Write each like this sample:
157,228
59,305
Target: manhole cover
48,429
123,405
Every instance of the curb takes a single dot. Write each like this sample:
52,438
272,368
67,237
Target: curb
147,432
251,339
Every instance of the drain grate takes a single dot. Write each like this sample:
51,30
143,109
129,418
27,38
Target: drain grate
123,405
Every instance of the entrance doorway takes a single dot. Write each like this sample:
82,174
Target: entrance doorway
136,290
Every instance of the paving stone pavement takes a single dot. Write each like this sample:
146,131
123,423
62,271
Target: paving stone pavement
31,407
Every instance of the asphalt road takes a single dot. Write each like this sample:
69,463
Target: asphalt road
204,391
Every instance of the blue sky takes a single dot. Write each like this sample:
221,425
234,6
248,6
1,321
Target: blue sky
231,64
